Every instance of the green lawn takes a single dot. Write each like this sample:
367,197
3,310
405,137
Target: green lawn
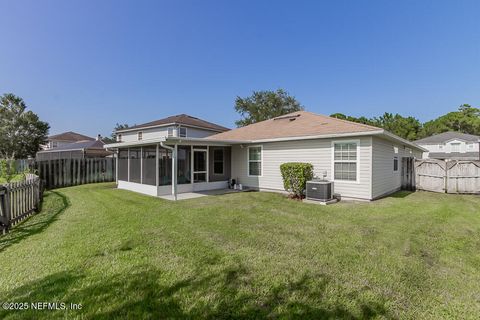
247,255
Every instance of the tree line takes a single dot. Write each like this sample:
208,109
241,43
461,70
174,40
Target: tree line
263,105
22,132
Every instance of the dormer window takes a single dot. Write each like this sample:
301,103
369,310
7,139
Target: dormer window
139,135
182,132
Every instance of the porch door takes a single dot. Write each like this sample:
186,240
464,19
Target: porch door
199,165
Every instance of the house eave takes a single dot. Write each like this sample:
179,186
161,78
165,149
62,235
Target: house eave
226,142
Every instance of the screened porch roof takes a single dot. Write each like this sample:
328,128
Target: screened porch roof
174,140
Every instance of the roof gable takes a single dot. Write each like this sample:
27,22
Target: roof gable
70,136
295,124
181,119
448,136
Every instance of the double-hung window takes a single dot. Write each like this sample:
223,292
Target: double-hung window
139,135
182,132
170,132
345,162
254,161
218,161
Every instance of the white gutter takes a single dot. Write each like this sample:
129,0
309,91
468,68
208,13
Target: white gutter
174,168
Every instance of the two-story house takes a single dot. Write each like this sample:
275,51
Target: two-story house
63,139
451,146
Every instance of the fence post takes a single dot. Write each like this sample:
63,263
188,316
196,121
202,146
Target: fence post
8,213
446,176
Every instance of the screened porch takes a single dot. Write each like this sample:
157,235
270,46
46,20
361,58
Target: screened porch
150,168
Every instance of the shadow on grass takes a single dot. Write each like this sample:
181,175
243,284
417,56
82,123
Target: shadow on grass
225,294
53,204
400,194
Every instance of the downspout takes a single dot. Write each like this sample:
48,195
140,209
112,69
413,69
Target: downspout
174,168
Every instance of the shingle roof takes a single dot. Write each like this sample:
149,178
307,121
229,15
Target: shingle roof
95,144
70,136
455,155
446,136
295,124
180,119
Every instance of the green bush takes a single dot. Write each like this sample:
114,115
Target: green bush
295,176
8,170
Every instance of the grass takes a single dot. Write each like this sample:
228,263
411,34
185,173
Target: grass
247,255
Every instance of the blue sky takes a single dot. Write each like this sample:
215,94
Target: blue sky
85,65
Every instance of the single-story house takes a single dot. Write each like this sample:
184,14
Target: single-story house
451,146
184,154
65,138
76,150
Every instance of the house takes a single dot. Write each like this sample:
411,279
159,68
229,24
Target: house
59,140
451,146
184,154
90,148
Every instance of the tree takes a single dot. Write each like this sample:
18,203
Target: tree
466,120
264,105
405,127
21,131
113,136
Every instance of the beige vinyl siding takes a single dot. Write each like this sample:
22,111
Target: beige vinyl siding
385,180
317,152
155,133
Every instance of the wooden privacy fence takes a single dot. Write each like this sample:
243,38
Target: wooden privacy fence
448,176
70,172
18,200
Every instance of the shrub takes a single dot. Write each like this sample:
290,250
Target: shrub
7,169
295,176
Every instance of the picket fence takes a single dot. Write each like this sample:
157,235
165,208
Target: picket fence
18,200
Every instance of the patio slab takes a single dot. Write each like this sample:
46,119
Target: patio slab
198,194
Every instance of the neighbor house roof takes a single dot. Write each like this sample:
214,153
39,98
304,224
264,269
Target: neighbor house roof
70,136
454,155
80,145
180,119
447,136
296,124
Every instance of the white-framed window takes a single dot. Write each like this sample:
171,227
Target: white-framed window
54,144
170,132
455,147
218,161
139,135
119,137
182,132
440,146
470,146
395,163
345,160
255,161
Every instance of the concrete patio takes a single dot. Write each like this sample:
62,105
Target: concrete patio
198,194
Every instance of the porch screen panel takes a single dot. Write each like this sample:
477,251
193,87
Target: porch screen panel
184,168
135,165
164,167
149,167
123,165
